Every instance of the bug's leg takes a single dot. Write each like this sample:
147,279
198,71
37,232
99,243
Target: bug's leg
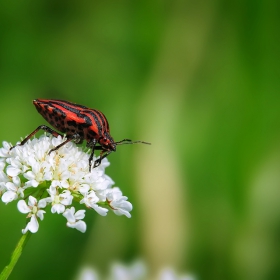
76,137
93,147
102,155
43,127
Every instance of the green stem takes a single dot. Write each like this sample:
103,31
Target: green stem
15,256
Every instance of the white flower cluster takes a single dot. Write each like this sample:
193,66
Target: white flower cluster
138,270
38,179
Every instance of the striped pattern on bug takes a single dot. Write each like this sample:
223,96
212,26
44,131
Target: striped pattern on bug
79,123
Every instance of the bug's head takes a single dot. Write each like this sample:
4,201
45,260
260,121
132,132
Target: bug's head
107,143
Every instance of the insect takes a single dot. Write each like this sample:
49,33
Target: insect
79,123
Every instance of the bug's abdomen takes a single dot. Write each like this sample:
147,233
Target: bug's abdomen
51,114
72,118
62,116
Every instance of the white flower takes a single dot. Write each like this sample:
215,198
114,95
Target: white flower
34,211
14,190
59,201
90,200
138,270
5,150
97,181
87,273
170,274
60,178
3,179
118,202
74,219
2,164
15,167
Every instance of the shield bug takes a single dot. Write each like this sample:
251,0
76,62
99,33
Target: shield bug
79,123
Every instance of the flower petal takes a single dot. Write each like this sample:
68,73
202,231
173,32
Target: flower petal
80,214
32,201
100,210
40,214
12,171
43,202
79,225
29,175
57,208
9,196
11,187
33,225
22,207
69,215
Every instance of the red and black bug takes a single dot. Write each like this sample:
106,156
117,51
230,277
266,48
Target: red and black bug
79,123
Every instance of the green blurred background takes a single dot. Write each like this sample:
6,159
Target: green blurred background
200,80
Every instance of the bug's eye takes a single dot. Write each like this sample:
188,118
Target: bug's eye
104,141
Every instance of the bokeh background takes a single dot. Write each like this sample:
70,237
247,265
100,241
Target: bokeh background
198,79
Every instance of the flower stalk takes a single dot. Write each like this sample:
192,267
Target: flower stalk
15,256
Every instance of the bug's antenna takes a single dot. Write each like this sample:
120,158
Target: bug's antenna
128,141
